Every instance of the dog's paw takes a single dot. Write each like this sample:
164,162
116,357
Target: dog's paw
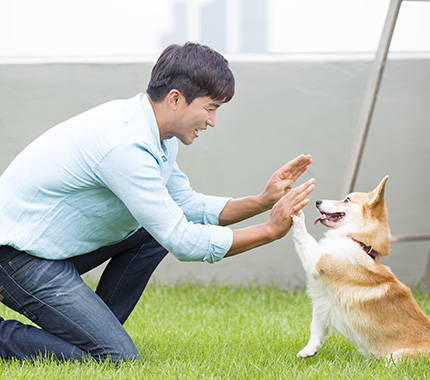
299,227
298,219
307,352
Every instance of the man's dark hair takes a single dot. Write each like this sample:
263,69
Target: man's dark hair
193,69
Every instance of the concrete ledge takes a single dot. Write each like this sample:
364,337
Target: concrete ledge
243,57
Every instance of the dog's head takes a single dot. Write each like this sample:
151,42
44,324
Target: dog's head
361,216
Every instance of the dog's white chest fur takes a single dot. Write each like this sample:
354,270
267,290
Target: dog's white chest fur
335,308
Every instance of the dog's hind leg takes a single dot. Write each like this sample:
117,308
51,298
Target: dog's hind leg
318,335
405,353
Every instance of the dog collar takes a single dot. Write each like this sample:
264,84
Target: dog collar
369,250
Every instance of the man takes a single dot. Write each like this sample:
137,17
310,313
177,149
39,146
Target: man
105,185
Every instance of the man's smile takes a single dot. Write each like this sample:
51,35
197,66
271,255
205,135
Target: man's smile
197,131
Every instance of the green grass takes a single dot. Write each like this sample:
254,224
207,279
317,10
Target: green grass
217,332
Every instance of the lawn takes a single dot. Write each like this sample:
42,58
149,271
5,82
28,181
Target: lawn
218,332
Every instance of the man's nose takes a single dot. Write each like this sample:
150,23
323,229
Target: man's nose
212,119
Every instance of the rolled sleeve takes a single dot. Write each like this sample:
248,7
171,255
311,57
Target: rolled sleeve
213,207
221,239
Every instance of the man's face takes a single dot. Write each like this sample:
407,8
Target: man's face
194,118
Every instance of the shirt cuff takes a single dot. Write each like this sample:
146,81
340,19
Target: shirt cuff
213,208
221,240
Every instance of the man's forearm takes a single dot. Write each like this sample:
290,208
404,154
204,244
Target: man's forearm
240,209
250,237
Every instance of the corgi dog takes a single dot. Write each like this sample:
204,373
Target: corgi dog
351,291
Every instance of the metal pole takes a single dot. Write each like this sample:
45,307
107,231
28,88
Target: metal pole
401,238
365,118
370,98
426,278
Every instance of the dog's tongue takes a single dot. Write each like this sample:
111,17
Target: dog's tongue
318,219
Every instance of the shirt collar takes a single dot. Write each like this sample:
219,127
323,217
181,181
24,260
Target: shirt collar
152,122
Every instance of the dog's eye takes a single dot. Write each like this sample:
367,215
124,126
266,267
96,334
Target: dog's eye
347,200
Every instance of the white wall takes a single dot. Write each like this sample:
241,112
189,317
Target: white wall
283,106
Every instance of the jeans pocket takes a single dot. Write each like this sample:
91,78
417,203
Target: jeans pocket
7,299
20,262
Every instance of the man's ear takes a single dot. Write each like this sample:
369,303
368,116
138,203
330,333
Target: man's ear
174,97
378,193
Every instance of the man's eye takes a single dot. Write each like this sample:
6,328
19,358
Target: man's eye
347,200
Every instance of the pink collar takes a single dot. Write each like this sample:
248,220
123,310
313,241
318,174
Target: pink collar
369,250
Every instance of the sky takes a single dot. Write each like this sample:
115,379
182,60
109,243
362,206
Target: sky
58,28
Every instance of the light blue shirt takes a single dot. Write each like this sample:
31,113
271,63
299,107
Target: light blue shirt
95,179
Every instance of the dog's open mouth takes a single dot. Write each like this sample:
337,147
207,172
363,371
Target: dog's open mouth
335,217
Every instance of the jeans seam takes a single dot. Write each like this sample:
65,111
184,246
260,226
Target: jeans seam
22,309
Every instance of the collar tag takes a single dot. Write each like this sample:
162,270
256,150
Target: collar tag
164,158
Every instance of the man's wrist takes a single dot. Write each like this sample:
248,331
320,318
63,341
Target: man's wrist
262,204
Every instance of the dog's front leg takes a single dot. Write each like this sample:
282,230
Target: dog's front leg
318,335
307,247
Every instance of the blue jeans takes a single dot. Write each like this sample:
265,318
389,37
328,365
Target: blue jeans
76,322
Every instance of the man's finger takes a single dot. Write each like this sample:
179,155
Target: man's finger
299,161
299,206
296,166
303,186
299,193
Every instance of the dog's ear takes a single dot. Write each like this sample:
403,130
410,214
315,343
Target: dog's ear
377,195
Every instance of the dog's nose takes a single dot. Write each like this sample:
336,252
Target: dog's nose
318,202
